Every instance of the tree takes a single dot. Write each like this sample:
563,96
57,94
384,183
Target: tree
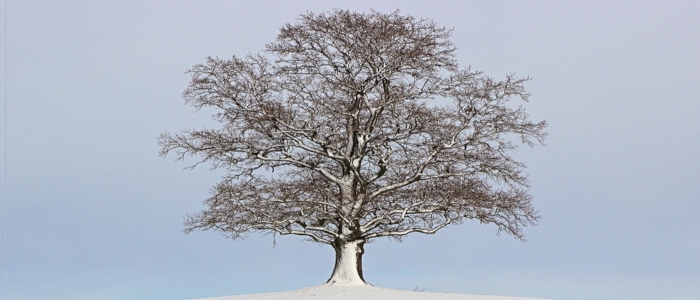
340,131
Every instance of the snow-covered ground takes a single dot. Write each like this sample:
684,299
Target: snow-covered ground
347,292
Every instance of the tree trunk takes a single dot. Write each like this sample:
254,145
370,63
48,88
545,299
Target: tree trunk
348,263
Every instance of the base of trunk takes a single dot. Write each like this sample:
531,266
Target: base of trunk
348,263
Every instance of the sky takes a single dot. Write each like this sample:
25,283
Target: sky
90,211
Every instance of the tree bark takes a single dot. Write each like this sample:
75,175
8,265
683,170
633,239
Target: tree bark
348,263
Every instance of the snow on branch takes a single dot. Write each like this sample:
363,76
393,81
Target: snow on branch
340,107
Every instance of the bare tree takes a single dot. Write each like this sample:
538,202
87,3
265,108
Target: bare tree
339,131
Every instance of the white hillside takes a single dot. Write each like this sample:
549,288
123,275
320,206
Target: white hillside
348,292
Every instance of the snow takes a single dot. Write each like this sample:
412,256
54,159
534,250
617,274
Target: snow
348,292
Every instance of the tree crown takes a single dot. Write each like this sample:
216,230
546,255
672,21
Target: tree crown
341,108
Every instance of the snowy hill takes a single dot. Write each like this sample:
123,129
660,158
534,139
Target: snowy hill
348,292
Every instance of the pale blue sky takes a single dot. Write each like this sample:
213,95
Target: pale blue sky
94,213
